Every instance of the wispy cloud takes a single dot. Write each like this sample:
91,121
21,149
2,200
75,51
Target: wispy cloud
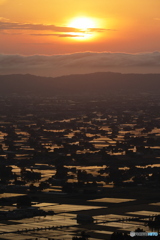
9,27
99,29
57,35
28,26
56,65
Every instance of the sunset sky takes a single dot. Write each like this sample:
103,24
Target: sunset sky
60,27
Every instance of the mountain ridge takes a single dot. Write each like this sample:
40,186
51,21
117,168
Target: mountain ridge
76,83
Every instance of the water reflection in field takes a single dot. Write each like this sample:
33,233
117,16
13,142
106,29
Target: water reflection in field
112,200
144,213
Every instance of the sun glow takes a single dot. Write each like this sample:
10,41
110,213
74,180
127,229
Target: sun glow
84,25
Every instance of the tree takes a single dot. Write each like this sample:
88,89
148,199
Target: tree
5,173
24,201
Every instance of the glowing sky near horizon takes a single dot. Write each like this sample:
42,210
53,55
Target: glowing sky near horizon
50,27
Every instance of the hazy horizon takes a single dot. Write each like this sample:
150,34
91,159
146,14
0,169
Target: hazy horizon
79,63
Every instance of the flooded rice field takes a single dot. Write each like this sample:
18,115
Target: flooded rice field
64,157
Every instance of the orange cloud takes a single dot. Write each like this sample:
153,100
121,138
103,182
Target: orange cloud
6,25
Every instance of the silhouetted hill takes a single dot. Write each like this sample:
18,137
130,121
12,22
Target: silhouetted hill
81,83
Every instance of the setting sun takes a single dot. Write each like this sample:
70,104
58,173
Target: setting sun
82,23
85,24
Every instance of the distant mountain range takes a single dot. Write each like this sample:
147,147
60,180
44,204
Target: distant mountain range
100,82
